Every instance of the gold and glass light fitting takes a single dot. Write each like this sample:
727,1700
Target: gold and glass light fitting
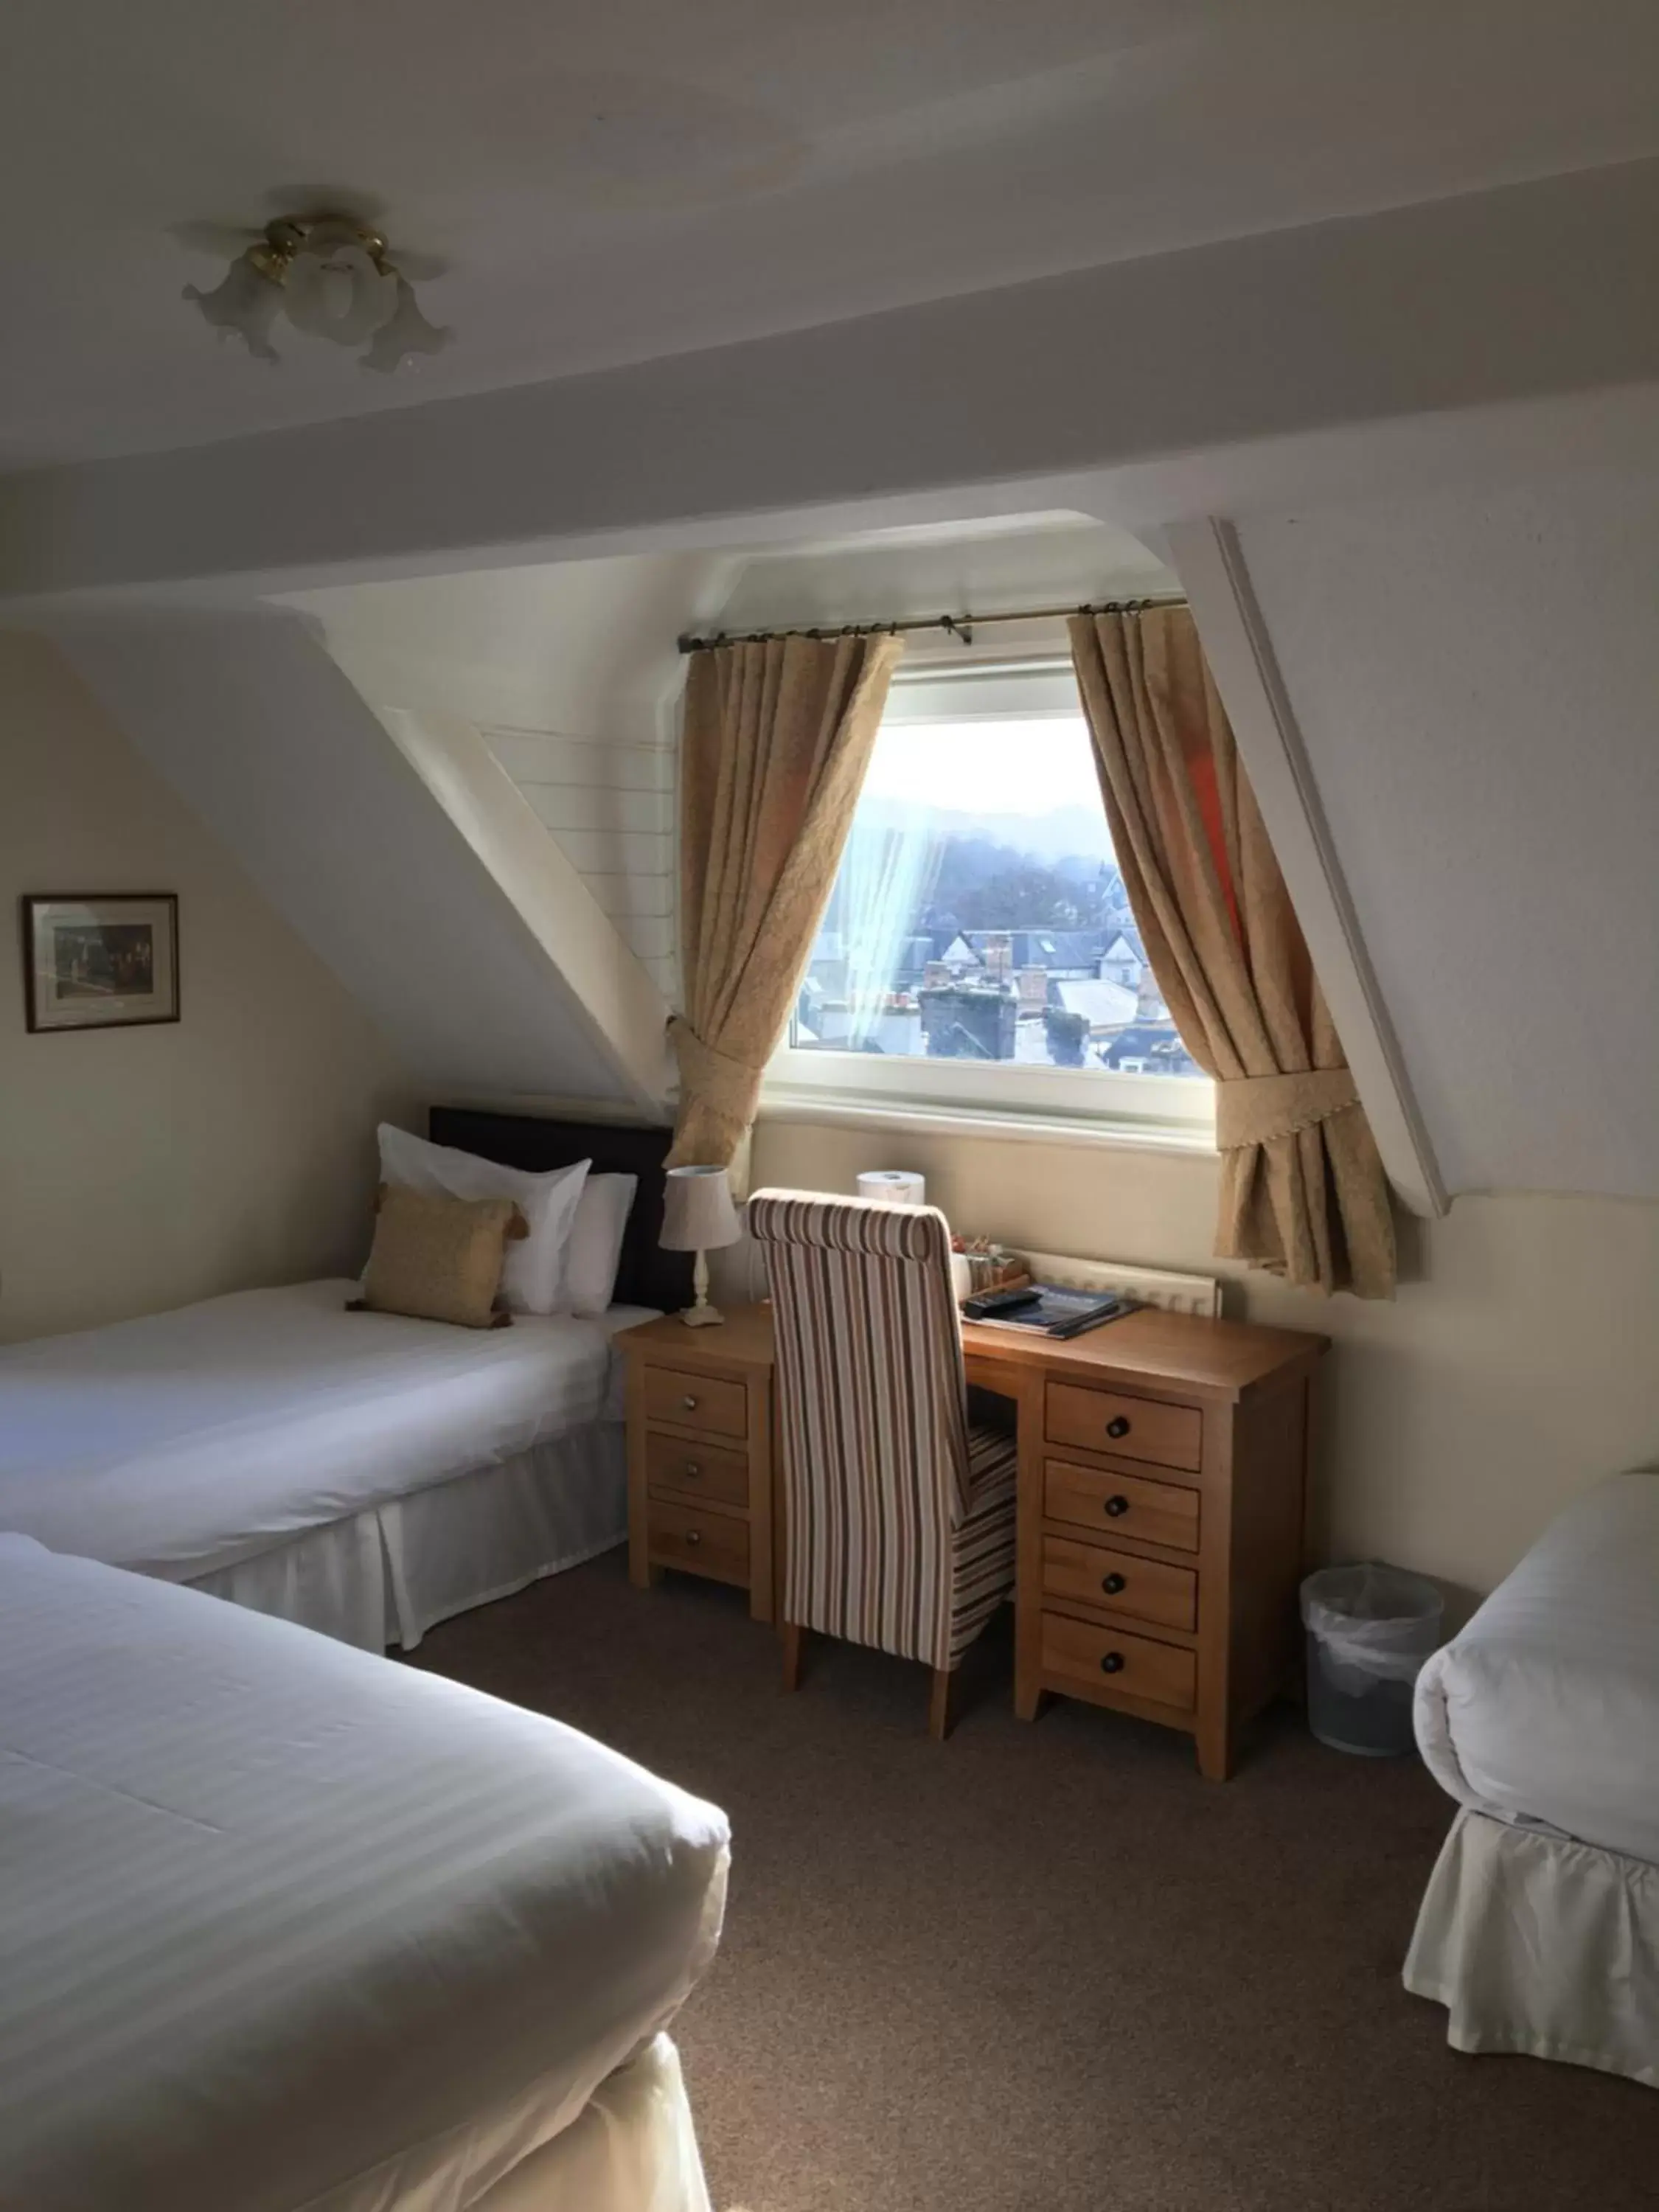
333,279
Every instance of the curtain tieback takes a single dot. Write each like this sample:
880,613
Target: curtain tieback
724,1087
1251,1108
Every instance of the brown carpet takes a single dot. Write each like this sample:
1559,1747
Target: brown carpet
1046,1969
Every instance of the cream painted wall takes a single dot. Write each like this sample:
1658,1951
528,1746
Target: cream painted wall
142,1168
1516,1367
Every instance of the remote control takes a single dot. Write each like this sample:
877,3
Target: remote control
1000,1302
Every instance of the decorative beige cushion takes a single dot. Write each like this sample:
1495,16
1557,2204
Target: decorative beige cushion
438,1258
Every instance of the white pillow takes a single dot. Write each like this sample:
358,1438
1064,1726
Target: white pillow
533,1281
594,1251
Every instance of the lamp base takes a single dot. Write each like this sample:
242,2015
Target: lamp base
700,1314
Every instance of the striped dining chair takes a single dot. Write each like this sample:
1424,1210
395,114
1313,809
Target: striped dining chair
898,1514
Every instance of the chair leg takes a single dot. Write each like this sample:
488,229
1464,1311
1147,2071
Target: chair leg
942,1702
795,1640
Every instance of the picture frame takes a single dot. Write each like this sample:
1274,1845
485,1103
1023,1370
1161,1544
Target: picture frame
99,960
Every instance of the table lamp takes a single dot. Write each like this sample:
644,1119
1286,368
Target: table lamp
698,1216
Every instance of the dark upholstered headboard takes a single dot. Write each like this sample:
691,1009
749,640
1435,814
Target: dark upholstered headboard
648,1276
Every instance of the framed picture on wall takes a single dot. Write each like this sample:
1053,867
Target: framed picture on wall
100,962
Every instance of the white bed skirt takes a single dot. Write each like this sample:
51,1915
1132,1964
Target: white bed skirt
633,2150
1582,1985
386,1575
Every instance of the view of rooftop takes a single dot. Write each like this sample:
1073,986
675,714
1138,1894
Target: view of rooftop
979,913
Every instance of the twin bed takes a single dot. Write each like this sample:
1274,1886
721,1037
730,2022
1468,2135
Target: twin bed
283,1926
361,1473
1540,1929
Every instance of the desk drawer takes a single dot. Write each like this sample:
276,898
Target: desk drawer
709,1543
1130,1428
695,1401
710,1470
1120,1504
1105,1661
1146,1589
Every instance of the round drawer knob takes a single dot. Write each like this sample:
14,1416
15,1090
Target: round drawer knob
1112,1663
689,1402
1112,1584
691,1467
1117,1504
692,1536
1118,1426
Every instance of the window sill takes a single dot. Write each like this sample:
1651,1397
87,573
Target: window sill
824,1110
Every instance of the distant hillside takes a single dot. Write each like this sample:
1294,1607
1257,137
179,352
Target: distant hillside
1064,833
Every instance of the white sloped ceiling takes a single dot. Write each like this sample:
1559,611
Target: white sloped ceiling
569,673
257,729
1475,678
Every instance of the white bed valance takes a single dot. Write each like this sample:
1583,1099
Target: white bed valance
385,1577
1585,1989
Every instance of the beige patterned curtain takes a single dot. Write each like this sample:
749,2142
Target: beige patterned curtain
777,738
1302,1191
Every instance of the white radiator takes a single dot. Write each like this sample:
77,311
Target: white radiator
1150,1286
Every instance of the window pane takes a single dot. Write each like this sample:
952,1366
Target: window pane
979,914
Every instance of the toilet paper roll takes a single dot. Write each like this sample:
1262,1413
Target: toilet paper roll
893,1186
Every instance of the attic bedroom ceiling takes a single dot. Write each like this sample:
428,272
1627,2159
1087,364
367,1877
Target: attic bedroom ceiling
772,165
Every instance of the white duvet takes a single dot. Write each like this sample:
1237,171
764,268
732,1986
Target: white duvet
286,1925
182,1442
1545,1711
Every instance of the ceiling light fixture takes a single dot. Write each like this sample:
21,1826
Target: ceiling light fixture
334,278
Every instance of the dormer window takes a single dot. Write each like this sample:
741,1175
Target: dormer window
978,953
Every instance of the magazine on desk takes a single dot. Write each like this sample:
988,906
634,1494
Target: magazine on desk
1057,1312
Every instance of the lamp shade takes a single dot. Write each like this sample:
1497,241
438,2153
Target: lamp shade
697,1212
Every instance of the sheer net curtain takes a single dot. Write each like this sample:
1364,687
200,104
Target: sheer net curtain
1303,1190
885,876
778,736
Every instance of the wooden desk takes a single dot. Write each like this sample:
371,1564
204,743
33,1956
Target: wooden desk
1162,1483
1163,1493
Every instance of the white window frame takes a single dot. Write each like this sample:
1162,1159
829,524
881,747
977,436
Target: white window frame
1005,1097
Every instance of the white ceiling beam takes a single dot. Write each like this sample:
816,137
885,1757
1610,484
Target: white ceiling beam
1207,558
1495,297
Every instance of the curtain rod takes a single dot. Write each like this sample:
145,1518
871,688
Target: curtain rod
959,626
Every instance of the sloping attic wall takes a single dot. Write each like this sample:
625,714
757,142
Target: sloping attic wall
569,674
515,939
1472,673
249,720
1475,679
